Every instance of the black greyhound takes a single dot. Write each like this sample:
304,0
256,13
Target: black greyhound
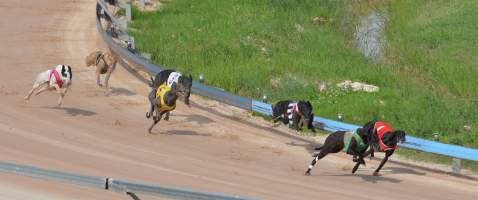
164,105
383,139
169,77
354,143
296,114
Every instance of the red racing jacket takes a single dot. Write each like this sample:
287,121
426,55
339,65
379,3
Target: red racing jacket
380,129
54,73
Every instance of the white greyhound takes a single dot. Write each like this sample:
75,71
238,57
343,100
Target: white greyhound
57,78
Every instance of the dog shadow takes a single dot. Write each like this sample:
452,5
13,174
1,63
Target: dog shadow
309,147
400,170
74,111
195,118
120,92
185,133
369,178
180,133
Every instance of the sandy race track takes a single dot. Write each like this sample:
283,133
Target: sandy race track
208,146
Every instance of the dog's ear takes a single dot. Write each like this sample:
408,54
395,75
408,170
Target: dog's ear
152,81
63,71
70,72
402,133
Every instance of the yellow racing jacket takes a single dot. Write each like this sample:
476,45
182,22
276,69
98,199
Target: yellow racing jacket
161,93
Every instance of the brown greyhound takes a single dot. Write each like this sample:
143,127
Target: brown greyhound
105,63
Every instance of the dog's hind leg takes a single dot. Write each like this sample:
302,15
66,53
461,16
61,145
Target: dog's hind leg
152,98
36,85
98,77
41,89
360,161
319,156
151,110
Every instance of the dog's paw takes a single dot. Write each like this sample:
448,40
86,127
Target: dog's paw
307,173
148,115
376,174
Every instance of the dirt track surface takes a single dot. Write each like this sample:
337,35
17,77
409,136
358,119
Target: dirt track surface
208,146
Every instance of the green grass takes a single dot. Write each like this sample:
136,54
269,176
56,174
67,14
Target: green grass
427,80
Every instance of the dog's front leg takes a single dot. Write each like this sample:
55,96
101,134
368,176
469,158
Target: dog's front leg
158,114
155,121
297,122
186,98
369,152
98,77
167,116
387,154
66,90
107,78
310,125
60,94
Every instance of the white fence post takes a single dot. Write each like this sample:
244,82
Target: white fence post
133,45
128,12
456,165
141,3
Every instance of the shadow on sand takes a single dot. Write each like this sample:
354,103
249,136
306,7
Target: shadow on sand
121,92
179,133
74,111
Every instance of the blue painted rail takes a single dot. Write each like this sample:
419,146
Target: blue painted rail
266,109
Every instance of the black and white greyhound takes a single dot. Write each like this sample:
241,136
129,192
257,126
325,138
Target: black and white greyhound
169,77
58,78
296,114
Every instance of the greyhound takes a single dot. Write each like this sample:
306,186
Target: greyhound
58,78
296,114
163,101
105,63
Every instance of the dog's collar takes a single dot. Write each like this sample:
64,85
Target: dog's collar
99,57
